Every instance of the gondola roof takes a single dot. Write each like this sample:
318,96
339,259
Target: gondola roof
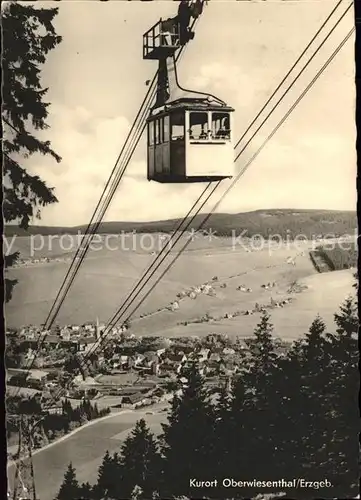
190,104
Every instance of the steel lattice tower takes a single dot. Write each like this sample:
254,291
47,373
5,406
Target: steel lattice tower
24,481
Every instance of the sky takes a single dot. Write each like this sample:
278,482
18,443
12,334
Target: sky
241,51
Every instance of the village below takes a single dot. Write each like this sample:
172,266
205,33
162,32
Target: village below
131,372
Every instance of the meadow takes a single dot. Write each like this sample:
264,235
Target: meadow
106,278
85,449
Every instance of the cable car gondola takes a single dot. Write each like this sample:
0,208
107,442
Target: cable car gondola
189,134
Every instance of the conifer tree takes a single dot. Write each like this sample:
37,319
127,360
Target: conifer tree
233,452
188,438
344,397
108,478
259,402
319,418
262,345
140,462
28,37
86,492
223,431
70,489
303,405
347,320
67,408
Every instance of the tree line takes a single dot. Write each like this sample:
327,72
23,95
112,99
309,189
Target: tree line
338,258
286,416
284,223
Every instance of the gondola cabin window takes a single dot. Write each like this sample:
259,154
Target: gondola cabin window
221,128
166,129
157,131
177,126
198,126
151,133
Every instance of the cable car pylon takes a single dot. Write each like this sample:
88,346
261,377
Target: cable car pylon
24,480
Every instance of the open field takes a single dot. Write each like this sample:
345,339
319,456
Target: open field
324,295
85,449
106,277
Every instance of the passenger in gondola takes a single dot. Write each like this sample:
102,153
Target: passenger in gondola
227,128
220,133
223,132
203,135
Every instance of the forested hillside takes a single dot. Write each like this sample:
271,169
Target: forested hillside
286,223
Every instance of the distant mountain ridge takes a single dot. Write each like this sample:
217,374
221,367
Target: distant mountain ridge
264,222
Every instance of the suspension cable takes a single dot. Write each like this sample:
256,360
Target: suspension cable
238,155
178,237
94,347
290,71
248,164
93,224
92,228
241,173
78,261
297,77
140,118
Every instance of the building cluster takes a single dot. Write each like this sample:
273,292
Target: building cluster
135,370
40,260
47,350
149,358
258,308
74,338
193,292
168,362
159,369
205,288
